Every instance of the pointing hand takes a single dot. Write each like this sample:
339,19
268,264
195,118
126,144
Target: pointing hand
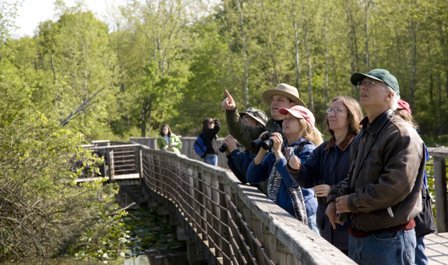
228,103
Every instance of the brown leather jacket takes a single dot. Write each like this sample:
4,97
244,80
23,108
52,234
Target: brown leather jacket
385,177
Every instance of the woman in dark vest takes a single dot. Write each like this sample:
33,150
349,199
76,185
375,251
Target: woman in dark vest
329,164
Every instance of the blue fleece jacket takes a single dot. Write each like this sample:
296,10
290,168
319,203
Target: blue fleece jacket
261,172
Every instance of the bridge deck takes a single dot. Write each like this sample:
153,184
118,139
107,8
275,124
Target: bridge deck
437,248
436,244
117,156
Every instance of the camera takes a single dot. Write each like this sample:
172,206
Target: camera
223,148
264,141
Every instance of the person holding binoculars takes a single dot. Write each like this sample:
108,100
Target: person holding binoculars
238,160
299,138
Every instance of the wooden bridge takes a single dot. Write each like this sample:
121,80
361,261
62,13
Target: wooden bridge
236,222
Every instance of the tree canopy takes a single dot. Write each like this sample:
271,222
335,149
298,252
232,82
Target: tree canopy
165,63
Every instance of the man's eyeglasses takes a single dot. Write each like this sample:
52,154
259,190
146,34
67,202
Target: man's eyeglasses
335,111
368,83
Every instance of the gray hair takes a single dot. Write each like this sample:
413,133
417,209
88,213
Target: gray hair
395,97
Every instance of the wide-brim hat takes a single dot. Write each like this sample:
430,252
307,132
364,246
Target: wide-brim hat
256,114
285,90
380,75
300,112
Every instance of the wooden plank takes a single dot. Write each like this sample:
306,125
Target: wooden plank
437,248
81,180
438,151
441,194
126,176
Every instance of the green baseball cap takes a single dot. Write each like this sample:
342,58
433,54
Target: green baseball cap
256,114
380,75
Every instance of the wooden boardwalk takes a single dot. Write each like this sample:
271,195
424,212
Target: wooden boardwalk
437,248
196,187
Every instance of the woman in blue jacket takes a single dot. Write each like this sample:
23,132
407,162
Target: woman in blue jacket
210,129
329,164
301,137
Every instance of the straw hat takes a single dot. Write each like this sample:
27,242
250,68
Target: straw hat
285,90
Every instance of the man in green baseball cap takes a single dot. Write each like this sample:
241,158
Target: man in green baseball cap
382,193
381,75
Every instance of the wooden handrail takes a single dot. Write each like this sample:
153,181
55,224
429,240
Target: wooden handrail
439,155
239,224
118,159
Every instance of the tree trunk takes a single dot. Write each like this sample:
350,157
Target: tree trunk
366,32
297,56
326,61
295,26
53,70
413,63
245,56
444,46
145,115
438,105
431,80
353,45
310,67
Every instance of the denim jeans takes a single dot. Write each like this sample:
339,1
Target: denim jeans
312,224
211,159
384,248
420,256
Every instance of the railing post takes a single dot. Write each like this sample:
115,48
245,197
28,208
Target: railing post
110,152
138,161
441,195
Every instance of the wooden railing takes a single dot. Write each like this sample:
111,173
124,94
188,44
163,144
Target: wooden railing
237,222
120,161
187,147
440,178
439,155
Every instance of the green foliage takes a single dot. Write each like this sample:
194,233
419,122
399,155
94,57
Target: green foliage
161,61
8,13
153,57
213,73
105,237
75,53
43,210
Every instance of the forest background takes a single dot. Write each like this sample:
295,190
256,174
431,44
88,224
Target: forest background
169,61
